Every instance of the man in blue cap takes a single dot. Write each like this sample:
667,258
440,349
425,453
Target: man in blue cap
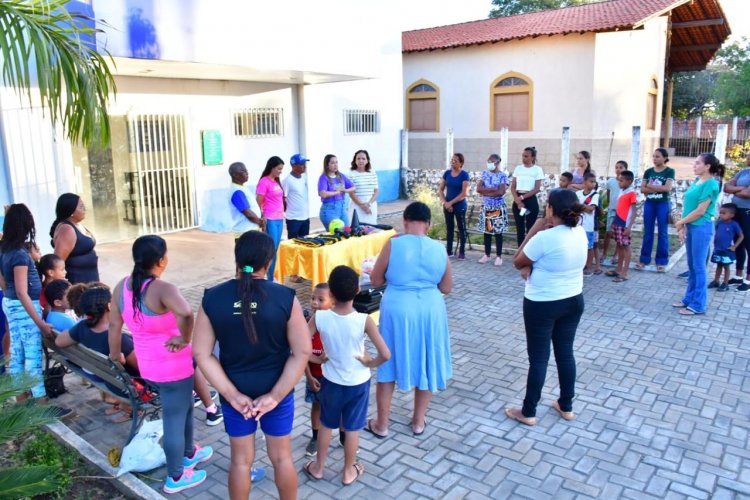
297,198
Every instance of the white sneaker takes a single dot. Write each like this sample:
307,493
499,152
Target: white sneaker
498,261
484,259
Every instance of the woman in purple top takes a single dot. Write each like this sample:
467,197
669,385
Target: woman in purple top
332,185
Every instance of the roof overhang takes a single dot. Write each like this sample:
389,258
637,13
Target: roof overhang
698,29
152,68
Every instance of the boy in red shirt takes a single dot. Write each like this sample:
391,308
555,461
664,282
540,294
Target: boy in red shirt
321,301
622,225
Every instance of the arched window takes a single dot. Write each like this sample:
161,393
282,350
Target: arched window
423,107
511,102
651,100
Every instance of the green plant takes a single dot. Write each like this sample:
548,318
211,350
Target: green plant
17,420
430,198
71,78
736,156
42,450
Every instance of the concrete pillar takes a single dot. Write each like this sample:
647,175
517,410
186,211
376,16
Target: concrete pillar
504,148
698,127
734,128
720,149
668,111
635,152
448,147
565,150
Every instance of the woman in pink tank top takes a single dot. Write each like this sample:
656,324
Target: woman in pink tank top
161,322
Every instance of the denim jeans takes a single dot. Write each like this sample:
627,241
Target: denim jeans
697,243
655,212
333,210
459,215
274,227
524,222
557,321
297,228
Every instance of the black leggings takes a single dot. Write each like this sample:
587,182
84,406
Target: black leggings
524,223
743,250
460,219
498,244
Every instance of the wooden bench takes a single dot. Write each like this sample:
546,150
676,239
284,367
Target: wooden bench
109,377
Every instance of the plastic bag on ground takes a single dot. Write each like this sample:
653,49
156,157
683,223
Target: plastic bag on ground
144,453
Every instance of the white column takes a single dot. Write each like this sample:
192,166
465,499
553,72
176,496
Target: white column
635,152
698,127
505,165
565,150
404,149
734,128
448,147
720,149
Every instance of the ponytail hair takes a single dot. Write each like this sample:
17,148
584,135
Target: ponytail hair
532,150
66,205
665,153
253,251
565,205
47,263
147,252
715,167
95,303
587,156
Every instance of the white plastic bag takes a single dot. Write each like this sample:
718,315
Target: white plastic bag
144,453
367,265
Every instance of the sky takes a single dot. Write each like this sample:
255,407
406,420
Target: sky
429,13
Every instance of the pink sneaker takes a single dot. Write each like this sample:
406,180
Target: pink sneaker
498,261
484,259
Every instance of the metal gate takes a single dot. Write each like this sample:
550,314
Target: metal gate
159,153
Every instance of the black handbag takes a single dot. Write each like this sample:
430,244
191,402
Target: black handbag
368,299
53,381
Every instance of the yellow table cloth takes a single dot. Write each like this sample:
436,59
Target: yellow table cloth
316,263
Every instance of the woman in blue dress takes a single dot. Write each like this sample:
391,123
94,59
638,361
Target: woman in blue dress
413,319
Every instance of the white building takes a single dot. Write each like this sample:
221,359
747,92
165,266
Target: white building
599,68
287,78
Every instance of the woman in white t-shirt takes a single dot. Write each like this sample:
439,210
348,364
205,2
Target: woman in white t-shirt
525,184
551,260
365,197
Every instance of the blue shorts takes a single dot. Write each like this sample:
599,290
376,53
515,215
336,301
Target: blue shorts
590,236
610,220
310,395
344,406
278,422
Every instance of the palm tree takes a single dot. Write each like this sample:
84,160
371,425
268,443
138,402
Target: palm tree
17,420
43,52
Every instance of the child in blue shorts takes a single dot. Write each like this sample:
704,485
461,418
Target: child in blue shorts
727,238
345,386
589,198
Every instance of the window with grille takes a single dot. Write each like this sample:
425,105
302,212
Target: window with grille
361,121
259,122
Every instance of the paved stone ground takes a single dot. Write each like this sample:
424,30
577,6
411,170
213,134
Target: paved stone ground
662,399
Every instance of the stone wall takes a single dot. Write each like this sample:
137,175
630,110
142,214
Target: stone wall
430,179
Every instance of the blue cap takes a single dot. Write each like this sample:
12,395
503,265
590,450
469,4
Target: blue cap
298,159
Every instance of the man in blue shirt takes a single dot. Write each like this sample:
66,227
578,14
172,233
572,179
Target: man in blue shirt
246,215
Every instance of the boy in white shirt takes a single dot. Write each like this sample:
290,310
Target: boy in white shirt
345,388
589,198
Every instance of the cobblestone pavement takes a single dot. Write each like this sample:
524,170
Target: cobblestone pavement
662,400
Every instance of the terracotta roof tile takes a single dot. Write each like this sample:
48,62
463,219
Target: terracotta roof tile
601,16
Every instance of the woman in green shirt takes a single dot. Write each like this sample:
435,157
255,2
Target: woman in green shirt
656,185
696,229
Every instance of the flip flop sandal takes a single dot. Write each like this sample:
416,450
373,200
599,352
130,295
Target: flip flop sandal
598,272
565,415
611,274
689,312
620,279
530,421
415,433
369,429
640,266
661,269
360,470
678,305
113,410
306,470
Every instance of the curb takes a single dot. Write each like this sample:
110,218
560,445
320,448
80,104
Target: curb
127,483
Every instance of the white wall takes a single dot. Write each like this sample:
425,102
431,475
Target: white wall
560,68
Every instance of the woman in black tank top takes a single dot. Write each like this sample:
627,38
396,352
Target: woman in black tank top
72,242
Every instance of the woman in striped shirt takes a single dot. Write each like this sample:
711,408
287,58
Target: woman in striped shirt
364,198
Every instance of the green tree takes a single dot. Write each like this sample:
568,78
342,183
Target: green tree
44,51
694,92
502,8
732,90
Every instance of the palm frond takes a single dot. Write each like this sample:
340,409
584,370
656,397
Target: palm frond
72,77
22,482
